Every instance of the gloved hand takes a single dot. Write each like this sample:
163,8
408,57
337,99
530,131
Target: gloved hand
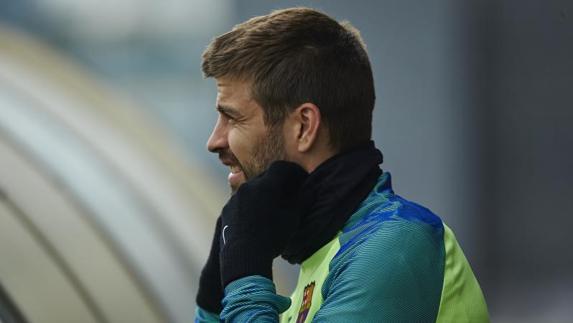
259,220
210,292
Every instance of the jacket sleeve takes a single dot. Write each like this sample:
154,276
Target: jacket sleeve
253,299
395,276
203,316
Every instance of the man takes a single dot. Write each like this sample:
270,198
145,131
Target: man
295,100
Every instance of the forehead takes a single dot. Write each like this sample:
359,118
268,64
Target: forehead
236,95
232,90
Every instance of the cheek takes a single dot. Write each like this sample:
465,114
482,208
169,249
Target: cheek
239,143
290,143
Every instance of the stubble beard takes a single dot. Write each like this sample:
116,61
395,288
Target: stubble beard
267,150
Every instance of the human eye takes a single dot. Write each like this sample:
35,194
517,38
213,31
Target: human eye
231,120
227,117
230,116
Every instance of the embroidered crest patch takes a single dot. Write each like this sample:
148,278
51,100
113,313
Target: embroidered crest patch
306,303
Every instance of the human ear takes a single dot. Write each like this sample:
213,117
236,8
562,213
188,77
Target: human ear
307,120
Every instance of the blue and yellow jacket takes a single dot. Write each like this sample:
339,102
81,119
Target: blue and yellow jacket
394,261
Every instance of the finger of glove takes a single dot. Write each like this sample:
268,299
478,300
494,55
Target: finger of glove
288,176
210,293
275,190
281,178
263,211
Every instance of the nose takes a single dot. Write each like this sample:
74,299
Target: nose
218,139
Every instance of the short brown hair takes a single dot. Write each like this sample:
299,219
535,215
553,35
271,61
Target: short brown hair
299,55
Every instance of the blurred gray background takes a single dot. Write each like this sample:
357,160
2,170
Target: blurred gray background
474,112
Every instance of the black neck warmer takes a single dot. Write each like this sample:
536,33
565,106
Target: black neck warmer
336,189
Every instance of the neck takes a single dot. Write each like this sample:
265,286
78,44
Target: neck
312,162
311,159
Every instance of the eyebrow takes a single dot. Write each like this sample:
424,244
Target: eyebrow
229,111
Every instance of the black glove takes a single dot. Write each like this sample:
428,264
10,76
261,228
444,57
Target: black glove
210,292
259,220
